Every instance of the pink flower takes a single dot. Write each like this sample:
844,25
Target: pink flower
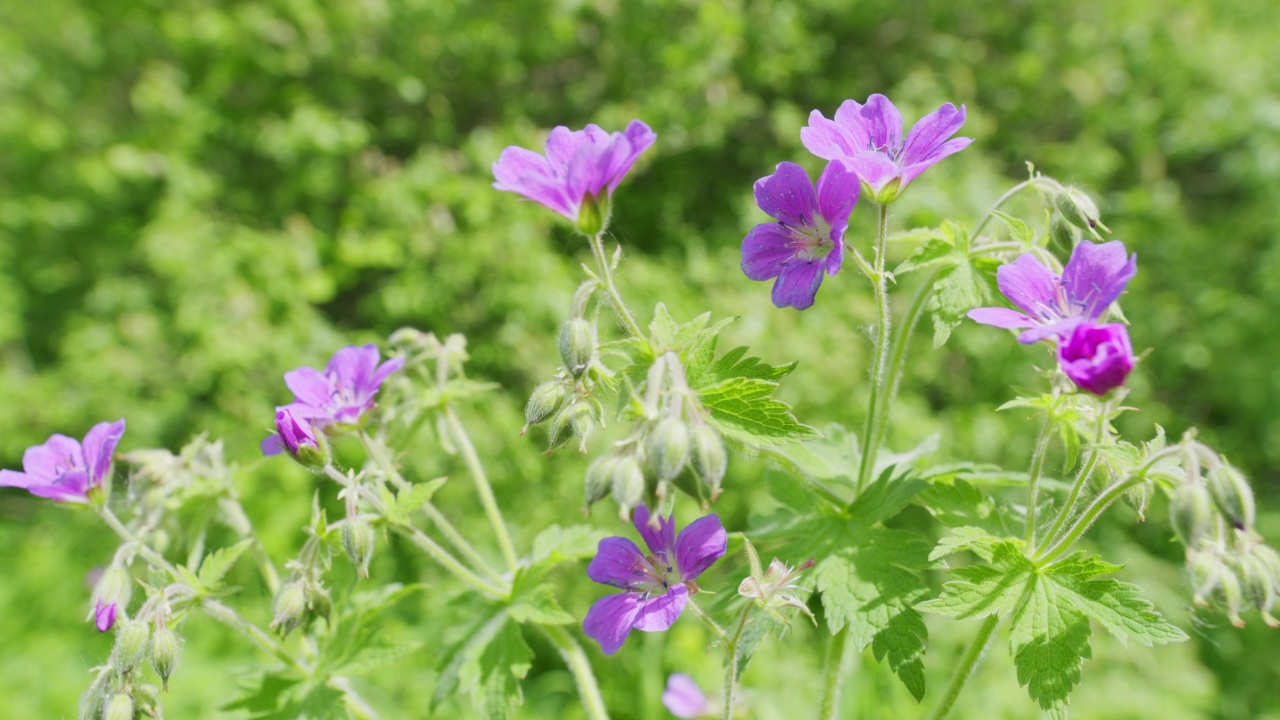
65,469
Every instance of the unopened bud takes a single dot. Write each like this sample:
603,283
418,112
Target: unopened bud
1061,234
577,345
1191,512
1232,595
319,602
561,429
599,479
582,422
115,587
1233,495
667,447
119,707
1080,210
357,540
165,648
628,483
545,400
709,457
1258,585
131,645
1206,569
290,609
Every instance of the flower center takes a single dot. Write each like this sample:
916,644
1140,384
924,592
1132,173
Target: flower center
654,574
811,242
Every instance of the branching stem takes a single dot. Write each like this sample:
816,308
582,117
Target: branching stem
483,488
615,298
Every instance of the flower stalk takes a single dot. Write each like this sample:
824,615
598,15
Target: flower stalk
965,668
603,267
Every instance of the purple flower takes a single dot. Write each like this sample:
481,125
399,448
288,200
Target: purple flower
808,237
104,616
581,168
1053,306
657,585
1097,358
683,697
65,469
340,395
868,139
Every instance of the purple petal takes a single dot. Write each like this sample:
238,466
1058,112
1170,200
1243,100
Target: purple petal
104,616
611,618
837,190
951,147
662,540
353,366
1097,358
661,612
618,562
1029,285
563,144
883,123
384,371
797,284
99,446
766,250
309,386
528,174
1096,275
46,462
639,137
1002,318
1059,329
22,481
926,139
272,445
72,486
874,168
832,140
700,544
787,195
835,258
683,698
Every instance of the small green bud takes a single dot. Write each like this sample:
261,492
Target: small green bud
1061,234
1191,512
131,645
577,345
1258,585
709,457
119,707
1080,210
599,479
593,215
561,429
1233,495
319,602
545,399
114,587
582,421
290,609
1205,568
667,447
628,483
1232,595
165,648
357,541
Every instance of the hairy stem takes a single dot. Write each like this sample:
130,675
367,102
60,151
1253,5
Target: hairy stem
151,556
881,353
1000,201
833,676
705,618
255,634
1038,456
449,562
1087,518
576,660
898,355
1082,478
615,298
967,665
483,488
731,662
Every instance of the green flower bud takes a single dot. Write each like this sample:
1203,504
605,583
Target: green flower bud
1232,595
582,421
319,602
1258,585
709,457
545,399
1206,569
165,648
131,645
561,429
357,541
577,345
1061,234
119,707
887,194
593,215
1191,512
290,608
599,478
667,447
1079,209
628,483
114,587
1233,495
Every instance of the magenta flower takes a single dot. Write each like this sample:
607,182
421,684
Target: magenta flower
65,469
808,238
1053,306
683,698
296,435
657,585
580,171
1097,358
104,616
340,395
868,139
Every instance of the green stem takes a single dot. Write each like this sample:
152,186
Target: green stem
151,556
1031,182
255,634
449,562
576,660
1038,456
606,278
731,666
966,667
483,488
1086,472
704,617
870,427
1087,518
898,355
833,675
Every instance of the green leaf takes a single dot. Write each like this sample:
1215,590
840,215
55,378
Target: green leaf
535,601
833,456
555,544
466,654
957,290
663,330
494,677
375,657
868,582
735,364
1117,606
1049,640
742,410
217,564
902,642
936,252
411,499
1018,229
885,498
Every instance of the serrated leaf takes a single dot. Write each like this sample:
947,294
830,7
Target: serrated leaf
1117,606
866,584
412,498
957,290
735,364
663,329
956,503
936,252
743,411
494,680
885,498
374,657
1018,229
556,544
903,643
217,564
535,601
1050,641
466,653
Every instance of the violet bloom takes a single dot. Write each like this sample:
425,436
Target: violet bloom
340,395
579,173
1097,358
868,139
1053,306
808,238
65,469
294,435
104,616
683,698
657,585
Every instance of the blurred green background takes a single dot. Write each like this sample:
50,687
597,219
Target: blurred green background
198,196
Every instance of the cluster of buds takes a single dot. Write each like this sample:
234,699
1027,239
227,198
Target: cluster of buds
298,604
671,435
149,638
568,400
1072,210
774,589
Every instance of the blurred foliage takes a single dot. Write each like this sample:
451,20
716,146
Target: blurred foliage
197,196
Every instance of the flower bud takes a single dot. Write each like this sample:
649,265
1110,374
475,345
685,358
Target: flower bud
582,421
1191,513
1096,357
290,608
299,437
561,429
1206,570
1061,234
577,345
114,589
1258,585
319,602
104,616
628,483
357,540
545,399
165,648
667,447
131,645
709,457
119,707
599,479
1079,209
1232,595
1233,495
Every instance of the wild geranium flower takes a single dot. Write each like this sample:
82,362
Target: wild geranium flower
104,616
683,698
808,238
1053,306
657,585
1097,358
340,395
65,469
579,173
868,139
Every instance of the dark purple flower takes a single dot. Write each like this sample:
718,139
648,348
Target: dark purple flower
1053,306
340,395
808,238
104,616
1097,358
868,139
657,584
64,469
296,436
683,697
580,167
